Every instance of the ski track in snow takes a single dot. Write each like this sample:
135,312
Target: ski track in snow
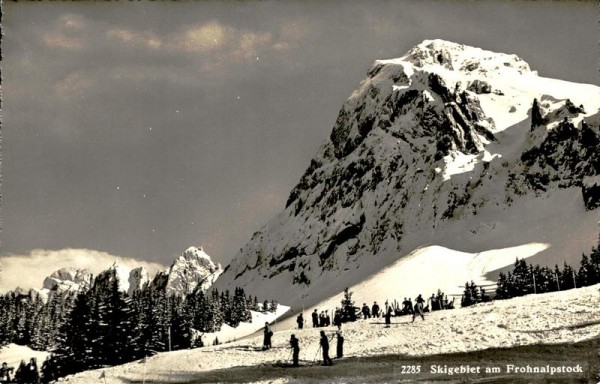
568,316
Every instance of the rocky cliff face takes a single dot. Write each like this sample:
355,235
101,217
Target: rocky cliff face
449,145
68,279
193,270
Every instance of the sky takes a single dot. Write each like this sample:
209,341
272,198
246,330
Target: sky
139,129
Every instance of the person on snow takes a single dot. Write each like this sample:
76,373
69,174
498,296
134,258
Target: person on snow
366,311
21,373
337,318
436,303
294,343
5,373
300,321
267,336
325,347
327,319
418,308
388,317
33,375
322,319
340,345
375,310
410,306
315,319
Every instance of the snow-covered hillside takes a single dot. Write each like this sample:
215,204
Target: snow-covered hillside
12,354
409,277
558,317
227,333
448,145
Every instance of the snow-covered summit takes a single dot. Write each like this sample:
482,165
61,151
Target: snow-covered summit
447,145
128,280
192,270
68,279
459,57
121,273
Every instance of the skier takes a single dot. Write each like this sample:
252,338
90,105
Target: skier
300,321
33,376
5,373
435,304
388,317
366,311
340,345
325,347
267,339
315,319
418,308
375,310
327,319
295,350
405,306
322,319
337,318
21,373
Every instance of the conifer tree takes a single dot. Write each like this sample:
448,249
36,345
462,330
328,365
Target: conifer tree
348,313
273,306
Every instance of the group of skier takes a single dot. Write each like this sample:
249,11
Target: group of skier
323,320
295,345
26,373
370,312
323,346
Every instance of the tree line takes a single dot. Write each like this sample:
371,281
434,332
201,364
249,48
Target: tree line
103,326
525,279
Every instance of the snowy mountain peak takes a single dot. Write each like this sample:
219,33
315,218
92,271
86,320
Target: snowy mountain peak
121,273
195,253
128,280
459,57
448,145
192,270
138,280
68,279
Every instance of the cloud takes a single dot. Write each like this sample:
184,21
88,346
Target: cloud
29,271
72,85
249,44
130,37
72,21
58,40
227,41
66,33
204,38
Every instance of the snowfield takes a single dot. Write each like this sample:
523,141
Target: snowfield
12,354
568,316
228,333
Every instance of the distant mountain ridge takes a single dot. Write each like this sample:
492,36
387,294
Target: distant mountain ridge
192,270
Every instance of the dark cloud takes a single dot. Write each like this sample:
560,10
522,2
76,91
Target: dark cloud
143,128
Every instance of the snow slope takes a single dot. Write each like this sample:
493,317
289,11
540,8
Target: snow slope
13,354
423,272
227,333
558,317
